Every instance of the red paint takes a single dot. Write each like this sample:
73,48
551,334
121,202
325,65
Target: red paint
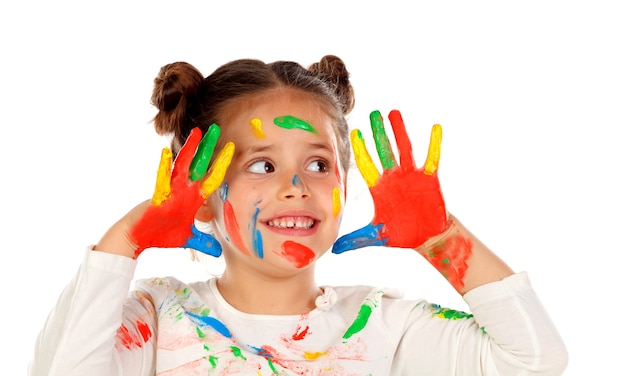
128,339
450,258
300,333
297,254
169,225
232,227
410,205
144,330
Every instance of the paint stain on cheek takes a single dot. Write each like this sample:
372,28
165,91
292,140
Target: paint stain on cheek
232,227
297,254
336,202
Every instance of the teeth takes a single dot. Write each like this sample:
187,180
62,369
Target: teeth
292,222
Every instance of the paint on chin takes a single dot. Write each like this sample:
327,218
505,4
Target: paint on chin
232,227
297,254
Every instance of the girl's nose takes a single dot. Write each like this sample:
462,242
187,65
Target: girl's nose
294,188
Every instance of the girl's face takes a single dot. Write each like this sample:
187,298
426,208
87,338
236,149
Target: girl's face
279,207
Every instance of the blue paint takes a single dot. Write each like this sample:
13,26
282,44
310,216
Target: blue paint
367,236
204,321
257,240
203,242
261,351
297,182
223,191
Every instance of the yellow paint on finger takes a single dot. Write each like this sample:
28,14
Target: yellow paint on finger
218,170
336,201
163,189
257,127
363,159
434,151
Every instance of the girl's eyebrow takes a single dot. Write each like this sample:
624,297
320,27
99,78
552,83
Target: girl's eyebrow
264,148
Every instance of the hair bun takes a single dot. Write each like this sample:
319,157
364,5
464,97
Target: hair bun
332,69
175,87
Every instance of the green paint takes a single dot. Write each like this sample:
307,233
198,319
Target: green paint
237,352
274,370
291,122
200,162
206,347
360,321
445,261
213,361
387,159
450,314
199,332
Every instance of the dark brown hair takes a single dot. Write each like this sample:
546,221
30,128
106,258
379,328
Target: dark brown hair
186,99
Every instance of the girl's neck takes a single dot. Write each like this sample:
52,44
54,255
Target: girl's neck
294,295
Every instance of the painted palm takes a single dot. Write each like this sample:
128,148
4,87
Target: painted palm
180,190
408,203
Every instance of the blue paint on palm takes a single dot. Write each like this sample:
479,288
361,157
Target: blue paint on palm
203,242
367,236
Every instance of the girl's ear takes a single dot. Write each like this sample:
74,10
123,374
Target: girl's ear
205,213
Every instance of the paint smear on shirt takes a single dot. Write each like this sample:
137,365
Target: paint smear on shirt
300,333
292,122
297,254
205,320
131,340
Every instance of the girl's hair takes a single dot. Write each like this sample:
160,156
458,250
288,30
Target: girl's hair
185,99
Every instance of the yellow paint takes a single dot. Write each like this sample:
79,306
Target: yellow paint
313,355
434,151
218,170
363,159
257,127
336,201
163,189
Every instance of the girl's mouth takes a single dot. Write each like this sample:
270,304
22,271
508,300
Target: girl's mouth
292,223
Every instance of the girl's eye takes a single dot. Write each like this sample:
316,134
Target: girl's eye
261,167
318,166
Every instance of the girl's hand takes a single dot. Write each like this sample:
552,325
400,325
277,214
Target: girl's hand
408,204
168,222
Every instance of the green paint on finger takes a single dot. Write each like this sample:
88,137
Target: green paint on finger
291,122
200,162
383,147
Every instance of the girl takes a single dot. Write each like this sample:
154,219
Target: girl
271,203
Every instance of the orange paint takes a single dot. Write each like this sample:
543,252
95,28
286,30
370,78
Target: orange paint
232,227
297,254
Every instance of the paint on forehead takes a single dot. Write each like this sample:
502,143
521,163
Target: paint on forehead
297,254
257,128
336,202
223,191
257,239
292,122
232,227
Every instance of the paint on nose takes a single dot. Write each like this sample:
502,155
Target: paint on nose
298,182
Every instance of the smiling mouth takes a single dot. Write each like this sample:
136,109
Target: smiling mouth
297,223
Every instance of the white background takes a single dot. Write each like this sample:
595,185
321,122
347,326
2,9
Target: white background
531,97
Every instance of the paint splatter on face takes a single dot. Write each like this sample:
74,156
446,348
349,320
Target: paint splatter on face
297,254
292,122
257,128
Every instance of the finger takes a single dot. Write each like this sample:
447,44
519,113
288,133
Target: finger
363,159
203,242
434,151
218,169
163,188
200,162
387,159
405,150
364,237
185,155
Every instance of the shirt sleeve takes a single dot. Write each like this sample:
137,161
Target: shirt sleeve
94,322
507,333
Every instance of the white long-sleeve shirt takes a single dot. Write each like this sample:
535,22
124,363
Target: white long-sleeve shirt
167,327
